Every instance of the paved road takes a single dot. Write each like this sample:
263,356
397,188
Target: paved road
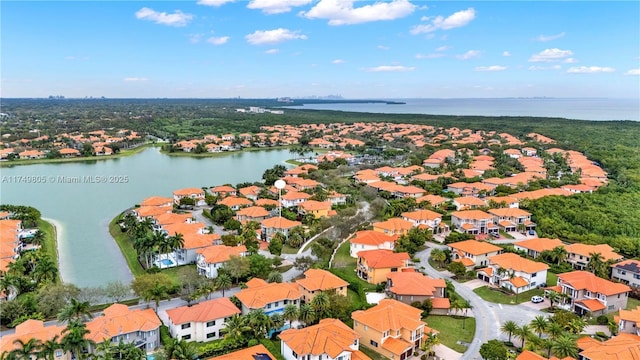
489,316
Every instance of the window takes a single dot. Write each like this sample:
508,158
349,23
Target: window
268,306
277,303
373,343
366,328
286,302
611,307
58,353
210,335
186,326
294,354
186,337
211,323
534,275
385,334
394,269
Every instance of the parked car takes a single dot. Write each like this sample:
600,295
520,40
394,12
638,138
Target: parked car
537,299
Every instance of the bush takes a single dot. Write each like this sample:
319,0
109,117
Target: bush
602,320
165,336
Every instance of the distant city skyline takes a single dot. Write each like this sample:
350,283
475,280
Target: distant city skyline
306,48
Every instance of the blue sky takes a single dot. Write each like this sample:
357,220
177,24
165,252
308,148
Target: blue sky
358,49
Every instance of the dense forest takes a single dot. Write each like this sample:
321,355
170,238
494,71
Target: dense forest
610,215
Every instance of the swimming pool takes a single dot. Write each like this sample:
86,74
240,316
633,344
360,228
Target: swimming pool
167,262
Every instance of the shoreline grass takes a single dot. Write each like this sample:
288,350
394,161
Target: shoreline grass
126,247
50,242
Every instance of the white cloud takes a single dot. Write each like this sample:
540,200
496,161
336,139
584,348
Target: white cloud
273,36
382,47
430,56
338,61
633,72
272,51
177,18
590,70
442,48
195,38
506,53
570,61
542,68
458,19
276,6
135,79
218,40
215,3
390,68
491,68
545,38
469,55
342,12
550,55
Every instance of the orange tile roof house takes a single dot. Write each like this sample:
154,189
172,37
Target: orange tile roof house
120,323
33,329
329,339
271,297
393,226
318,209
578,254
235,203
473,222
629,321
434,200
370,240
627,272
391,328
468,203
223,190
534,247
275,225
212,258
477,252
194,193
428,218
157,201
510,219
515,273
410,286
258,352
250,192
621,347
318,280
252,213
294,198
374,265
202,321
589,294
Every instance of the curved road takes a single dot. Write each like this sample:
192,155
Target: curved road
489,316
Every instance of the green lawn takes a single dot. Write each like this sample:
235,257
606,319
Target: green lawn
451,331
372,354
505,234
50,241
342,258
632,303
173,272
126,247
344,266
499,297
286,249
552,279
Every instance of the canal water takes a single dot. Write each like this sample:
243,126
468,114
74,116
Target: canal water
82,197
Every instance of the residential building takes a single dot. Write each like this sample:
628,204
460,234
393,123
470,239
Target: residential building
329,339
196,194
477,252
235,203
119,323
410,286
374,265
579,255
275,225
424,218
468,203
627,272
473,222
370,240
318,209
391,328
512,219
202,321
393,226
223,191
434,200
34,329
337,198
534,247
293,198
257,352
515,273
621,347
628,321
271,297
252,213
250,192
157,201
212,258
318,280
589,294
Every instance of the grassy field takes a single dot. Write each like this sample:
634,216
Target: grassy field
126,247
451,331
632,303
50,242
342,258
344,266
286,249
372,354
173,272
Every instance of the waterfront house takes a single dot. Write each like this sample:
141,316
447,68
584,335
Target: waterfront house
270,297
196,194
514,272
202,321
589,294
119,323
193,242
329,339
223,191
370,240
212,258
250,192
31,154
476,252
374,265
318,280
157,201
411,286
235,203
627,272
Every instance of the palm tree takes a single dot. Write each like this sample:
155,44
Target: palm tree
74,338
456,305
429,342
260,323
595,263
176,242
559,254
75,310
509,327
49,348
576,326
25,349
223,282
207,288
321,305
554,297
539,324
554,329
45,271
290,313
438,256
156,293
278,321
306,314
105,351
182,350
523,333
274,277
8,355
565,346
236,327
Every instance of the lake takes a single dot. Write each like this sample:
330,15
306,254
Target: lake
87,253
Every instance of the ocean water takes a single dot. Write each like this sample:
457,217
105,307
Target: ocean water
579,109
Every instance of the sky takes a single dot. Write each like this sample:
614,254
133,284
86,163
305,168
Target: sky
298,48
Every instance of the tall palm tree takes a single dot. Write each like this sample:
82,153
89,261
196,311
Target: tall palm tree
26,349
183,350
321,305
75,310
45,271
438,256
306,314
565,346
236,327
539,324
156,293
554,329
74,339
576,326
559,254
523,333
105,351
554,297
176,242
260,323
595,263
223,282
290,313
509,327
49,347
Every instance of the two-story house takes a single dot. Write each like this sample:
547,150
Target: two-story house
202,321
620,347
250,192
476,252
393,226
628,321
468,203
271,297
223,191
119,323
316,281
514,272
374,265
512,219
473,222
578,255
196,194
589,294
34,329
534,247
426,218
293,198
235,203
329,339
213,257
411,286
370,240
252,213
318,209
391,328
627,272
275,225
